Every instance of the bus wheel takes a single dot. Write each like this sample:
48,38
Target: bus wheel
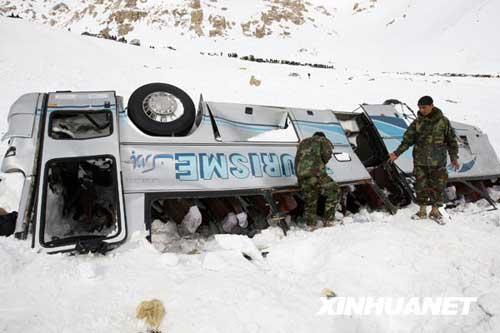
161,109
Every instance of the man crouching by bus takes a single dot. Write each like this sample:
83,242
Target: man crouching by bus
313,154
432,136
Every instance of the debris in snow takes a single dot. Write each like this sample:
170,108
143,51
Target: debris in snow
239,243
229,222
165,238
135,42
152,312
254,81
191,221
328,293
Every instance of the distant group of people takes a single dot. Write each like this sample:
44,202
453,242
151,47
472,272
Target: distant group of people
11,15
431,136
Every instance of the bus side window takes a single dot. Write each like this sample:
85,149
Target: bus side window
74,125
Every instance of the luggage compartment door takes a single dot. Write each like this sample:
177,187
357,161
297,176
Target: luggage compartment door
391,126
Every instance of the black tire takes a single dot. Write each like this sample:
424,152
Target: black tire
392,101
139,117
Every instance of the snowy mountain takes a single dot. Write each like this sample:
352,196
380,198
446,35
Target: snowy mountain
438,35
213,18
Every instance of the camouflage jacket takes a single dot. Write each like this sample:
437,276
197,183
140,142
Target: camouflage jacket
432,136
312,155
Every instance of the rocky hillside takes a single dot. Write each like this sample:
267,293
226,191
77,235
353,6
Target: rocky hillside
379,32
211,18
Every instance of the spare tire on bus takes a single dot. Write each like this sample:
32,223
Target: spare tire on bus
161,109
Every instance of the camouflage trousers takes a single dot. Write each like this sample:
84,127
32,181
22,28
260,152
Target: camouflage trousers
312,188
430,183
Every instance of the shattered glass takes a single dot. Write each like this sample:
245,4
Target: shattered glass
81,199
80,124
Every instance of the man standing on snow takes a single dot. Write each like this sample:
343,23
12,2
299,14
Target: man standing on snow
432,136
313,154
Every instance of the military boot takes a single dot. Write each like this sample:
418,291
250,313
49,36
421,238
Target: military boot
435,215
421,214
329,223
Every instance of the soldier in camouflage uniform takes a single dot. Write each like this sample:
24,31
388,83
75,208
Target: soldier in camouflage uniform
432,136
312,156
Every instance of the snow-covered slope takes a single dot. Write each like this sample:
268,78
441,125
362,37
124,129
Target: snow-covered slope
218,290
416,35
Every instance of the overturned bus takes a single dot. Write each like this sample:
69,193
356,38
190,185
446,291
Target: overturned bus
94,172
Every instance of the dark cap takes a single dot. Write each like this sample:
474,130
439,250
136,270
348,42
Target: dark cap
425,100
319,134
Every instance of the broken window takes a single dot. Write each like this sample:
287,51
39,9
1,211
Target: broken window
175,220
463,140
240,123
80,124
80,200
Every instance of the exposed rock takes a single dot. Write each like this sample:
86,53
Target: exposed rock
179,16
280,10
323,10
7,9
124,29
255,82
135,42
196,18
105,33
60,7
124,20
245,28
359,7
195,4
122,16
196,22
131,4
219,25
260,31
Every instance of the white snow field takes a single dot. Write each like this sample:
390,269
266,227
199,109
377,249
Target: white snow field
216,289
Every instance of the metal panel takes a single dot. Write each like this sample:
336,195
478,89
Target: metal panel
22,115
247,122
477,157
168,165
20,125
309,121
65,149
